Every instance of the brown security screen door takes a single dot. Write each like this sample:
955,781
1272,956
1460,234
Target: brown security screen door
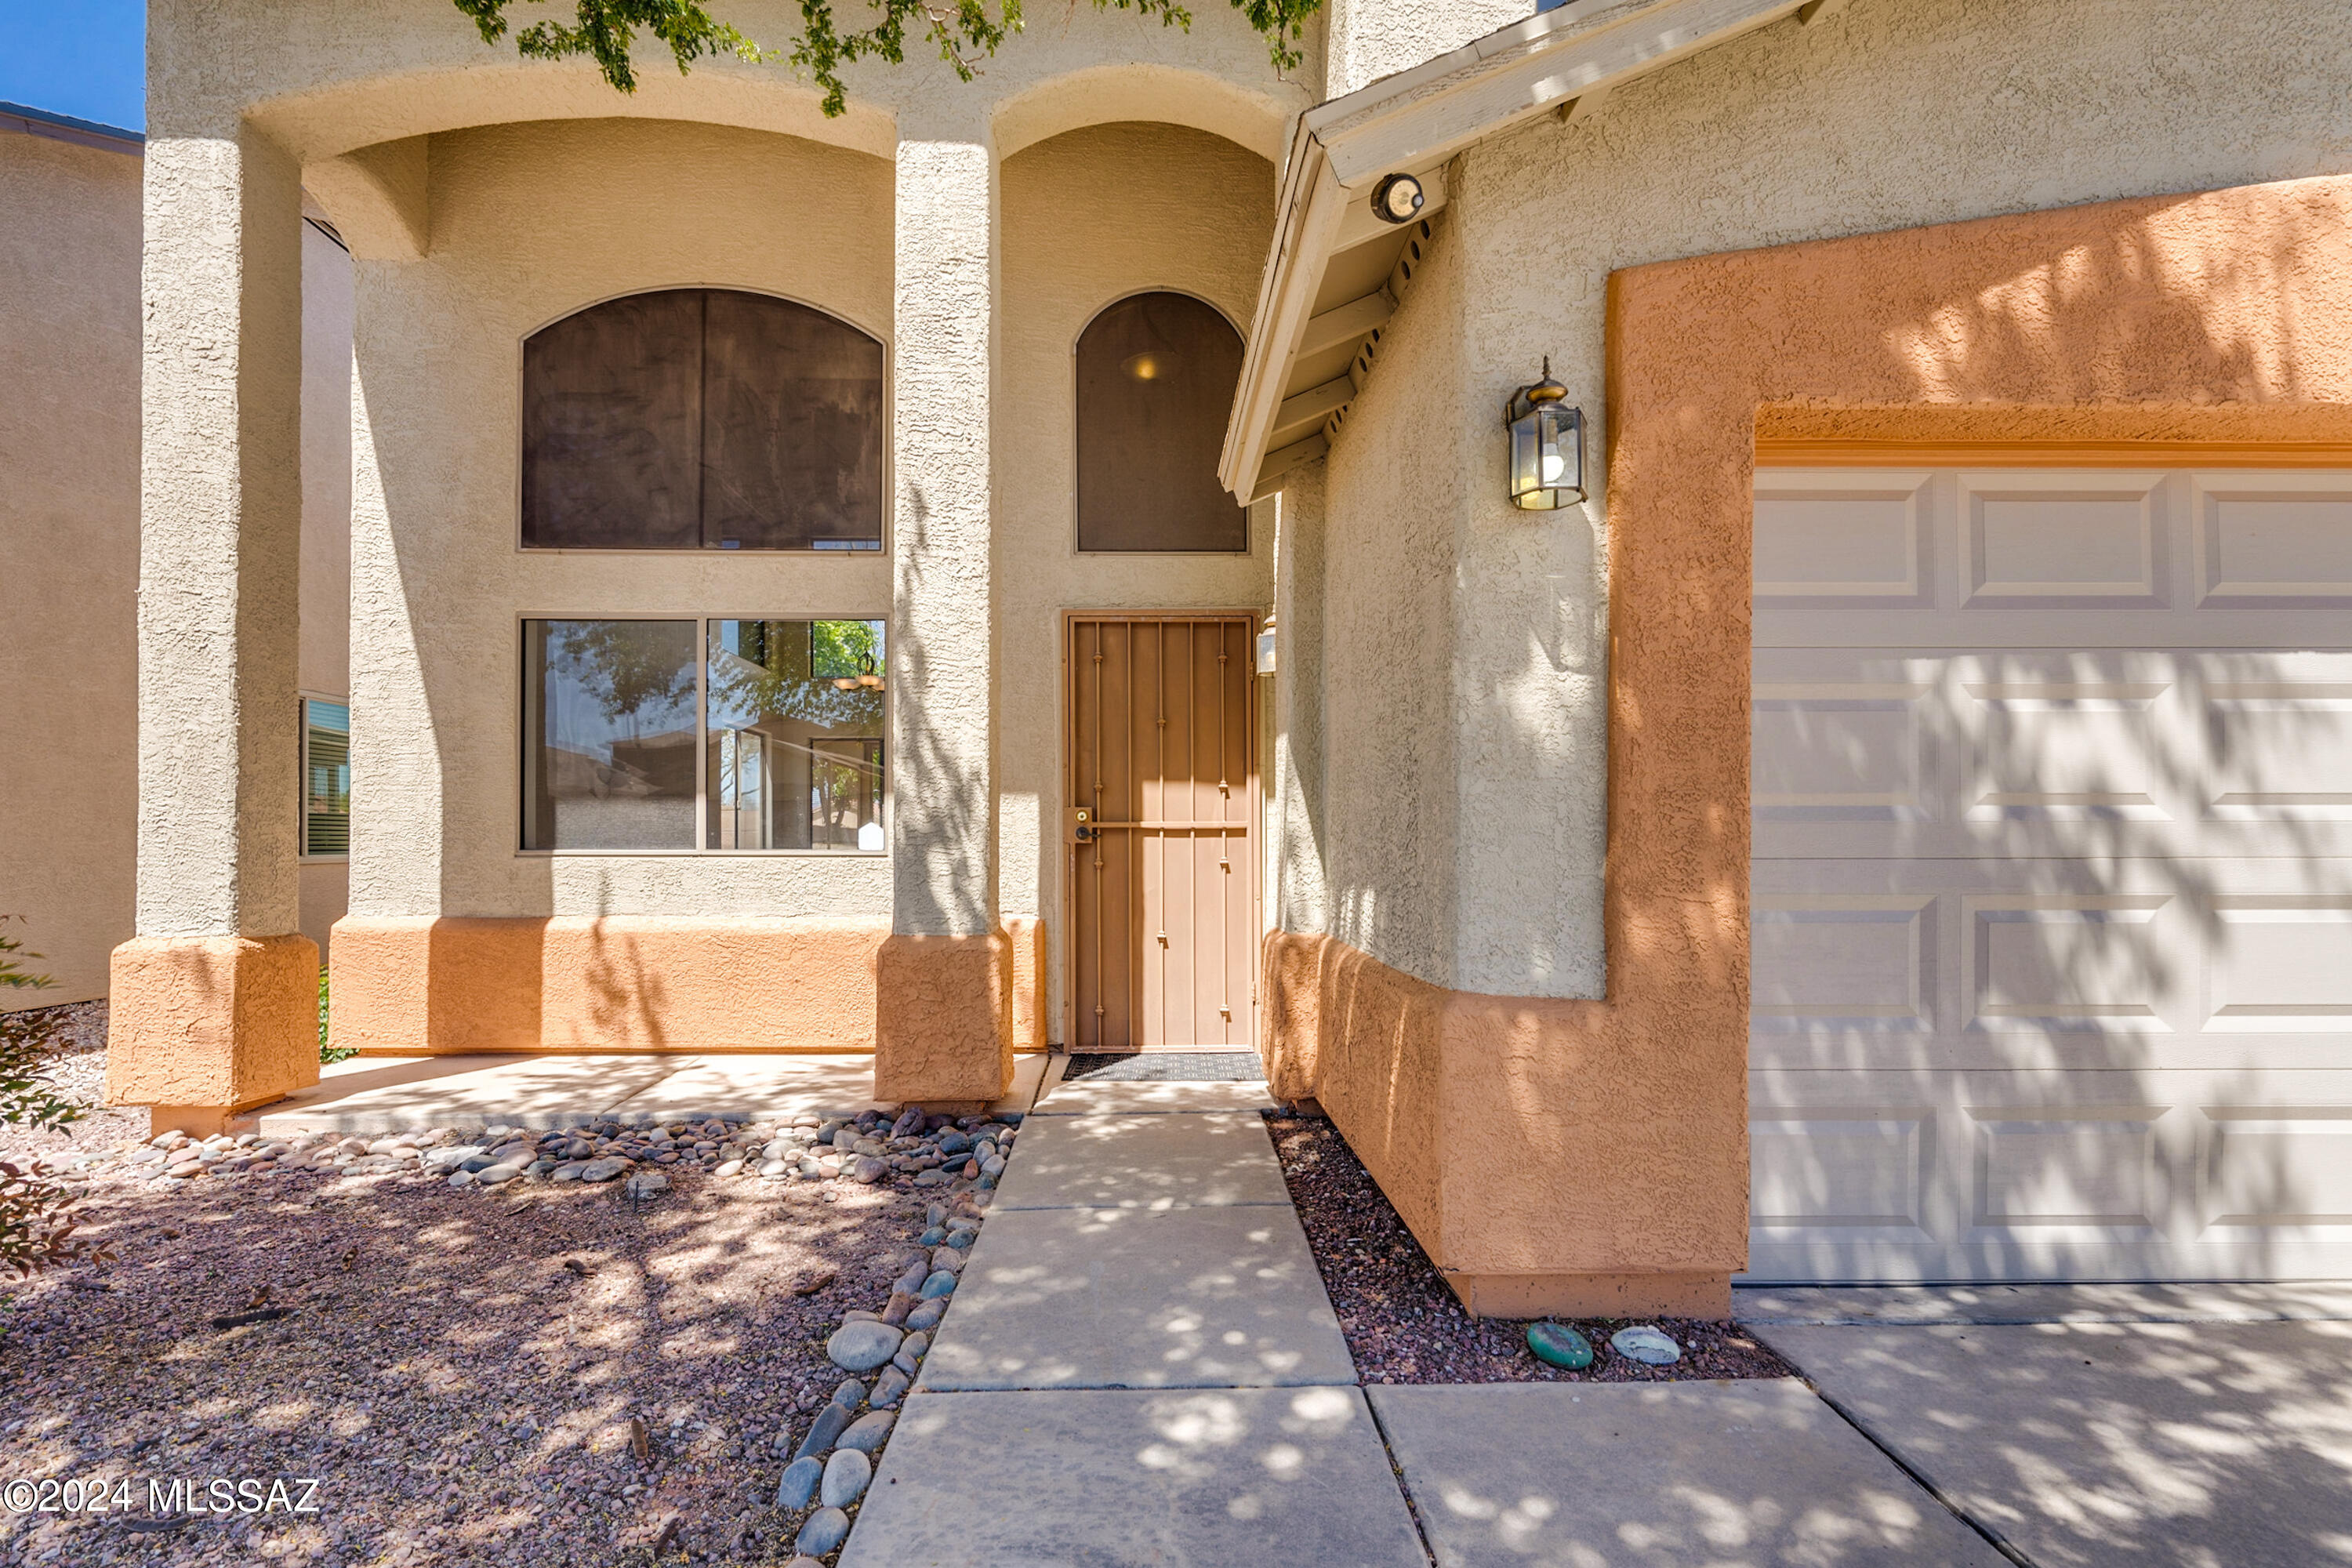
1164,874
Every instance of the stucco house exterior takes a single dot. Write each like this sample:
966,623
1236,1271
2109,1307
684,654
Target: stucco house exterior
70,372
1886,823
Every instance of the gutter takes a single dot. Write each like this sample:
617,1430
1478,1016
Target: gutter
30,121
1413,122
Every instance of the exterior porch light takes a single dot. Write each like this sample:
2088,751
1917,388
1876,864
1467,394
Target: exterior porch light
1547,445
1398,199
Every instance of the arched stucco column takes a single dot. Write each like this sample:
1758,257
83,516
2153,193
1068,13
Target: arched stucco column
214,1000
943,1029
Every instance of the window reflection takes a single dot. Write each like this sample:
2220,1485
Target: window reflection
795,735
608,756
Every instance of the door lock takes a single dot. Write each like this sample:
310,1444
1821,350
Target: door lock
1082,825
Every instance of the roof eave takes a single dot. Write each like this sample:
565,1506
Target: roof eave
1418,119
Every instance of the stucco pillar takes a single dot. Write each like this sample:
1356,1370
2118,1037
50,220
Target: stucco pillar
1293,950
943,1030
213,1001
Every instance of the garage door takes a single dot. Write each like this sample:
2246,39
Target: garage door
2053,875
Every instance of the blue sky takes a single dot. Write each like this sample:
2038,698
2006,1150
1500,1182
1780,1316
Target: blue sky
83,58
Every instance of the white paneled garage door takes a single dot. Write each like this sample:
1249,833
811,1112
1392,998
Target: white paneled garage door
2052,876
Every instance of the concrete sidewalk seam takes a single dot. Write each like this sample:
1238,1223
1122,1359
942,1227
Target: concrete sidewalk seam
1396,1472
1992,1537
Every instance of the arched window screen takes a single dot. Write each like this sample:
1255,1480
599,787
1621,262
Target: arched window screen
702,418
1156,377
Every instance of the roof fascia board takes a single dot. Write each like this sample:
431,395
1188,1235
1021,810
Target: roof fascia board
1310,211
25,119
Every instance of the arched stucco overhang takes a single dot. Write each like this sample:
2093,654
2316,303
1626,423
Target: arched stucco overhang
1257,119
362,143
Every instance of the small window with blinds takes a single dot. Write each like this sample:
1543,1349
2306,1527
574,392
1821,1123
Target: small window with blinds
1156,377
326,779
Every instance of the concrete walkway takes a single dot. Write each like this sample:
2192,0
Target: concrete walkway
1140,1366
396,1094
2195,1425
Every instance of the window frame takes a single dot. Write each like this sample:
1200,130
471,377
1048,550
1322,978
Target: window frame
303,697
517,433
1070,401
700,848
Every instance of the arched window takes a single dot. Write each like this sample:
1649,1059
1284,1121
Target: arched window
701,418
1156,377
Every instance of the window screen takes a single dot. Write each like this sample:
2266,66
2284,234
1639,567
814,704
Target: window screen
1156,377
702,418
326,778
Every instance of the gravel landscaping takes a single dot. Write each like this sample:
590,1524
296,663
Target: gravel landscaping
1402,1323
599,1344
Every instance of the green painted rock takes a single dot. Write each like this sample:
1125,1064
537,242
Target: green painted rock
1557,1345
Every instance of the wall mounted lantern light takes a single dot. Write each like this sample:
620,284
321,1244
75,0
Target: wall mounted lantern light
1547,445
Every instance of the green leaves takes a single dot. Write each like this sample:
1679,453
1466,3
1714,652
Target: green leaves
608,27
36,1230
27,1040
962,30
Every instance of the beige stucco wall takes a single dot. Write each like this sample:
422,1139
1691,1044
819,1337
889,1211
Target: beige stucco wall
1299,897
69,409
1089,217
1392,508
326,76
325,660
529,224
1365,40
1890,114
68,553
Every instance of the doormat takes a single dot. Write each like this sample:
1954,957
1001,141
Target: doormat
1164,1067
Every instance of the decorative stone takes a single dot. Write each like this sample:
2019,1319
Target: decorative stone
452,1156
456,1178
869,1432
826,1528
867,1170
645,1184
940,1283
845,1475
925,1317
823,1432
1645,1345
798,1488
1557,1345
496,1175
890,1388
862,1347
961,1239
603,1170
567,1173
850,1395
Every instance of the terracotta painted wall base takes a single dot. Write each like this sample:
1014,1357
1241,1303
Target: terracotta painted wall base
1665,1295
614,984
1542,1171
208,1025
943,1017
